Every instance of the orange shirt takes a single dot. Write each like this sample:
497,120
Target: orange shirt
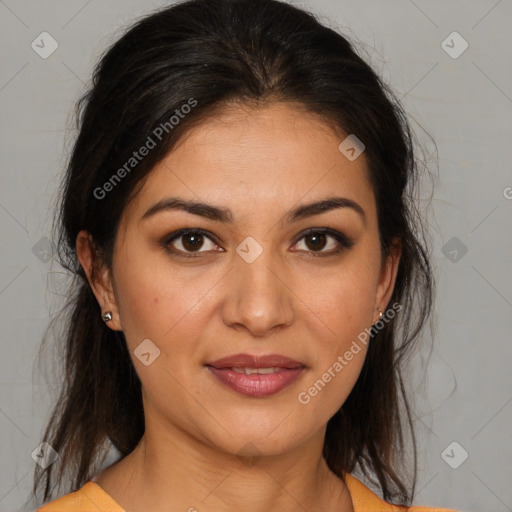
92,498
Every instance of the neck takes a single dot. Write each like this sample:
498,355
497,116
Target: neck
191,475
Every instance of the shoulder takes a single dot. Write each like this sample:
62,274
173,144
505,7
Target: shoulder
365,500
89,498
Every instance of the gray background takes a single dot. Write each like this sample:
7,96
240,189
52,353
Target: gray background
464,103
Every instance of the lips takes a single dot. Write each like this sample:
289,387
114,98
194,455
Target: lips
256,376
253,361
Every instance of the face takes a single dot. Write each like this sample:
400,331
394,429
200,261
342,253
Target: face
255,272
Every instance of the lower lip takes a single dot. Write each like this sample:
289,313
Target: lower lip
257,385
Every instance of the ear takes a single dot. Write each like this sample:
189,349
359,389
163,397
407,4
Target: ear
99,277
387,277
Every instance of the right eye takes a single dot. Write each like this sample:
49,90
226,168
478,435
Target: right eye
186,242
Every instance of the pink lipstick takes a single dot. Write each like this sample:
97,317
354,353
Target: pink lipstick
256,376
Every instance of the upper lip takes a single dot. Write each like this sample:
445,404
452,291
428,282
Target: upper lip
254,361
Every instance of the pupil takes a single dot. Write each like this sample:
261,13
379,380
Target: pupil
319,237
192,241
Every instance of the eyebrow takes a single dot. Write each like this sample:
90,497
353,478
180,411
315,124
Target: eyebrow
225,215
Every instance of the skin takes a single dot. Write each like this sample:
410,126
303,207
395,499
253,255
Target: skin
259,163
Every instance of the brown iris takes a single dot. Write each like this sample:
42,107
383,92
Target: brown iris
318,241
192,241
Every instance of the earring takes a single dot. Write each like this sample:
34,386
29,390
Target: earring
380,312
107,316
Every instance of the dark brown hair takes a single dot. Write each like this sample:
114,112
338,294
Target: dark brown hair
221,52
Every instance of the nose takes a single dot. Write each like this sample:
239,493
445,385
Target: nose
259,296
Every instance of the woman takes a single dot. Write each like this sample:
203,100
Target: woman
249,274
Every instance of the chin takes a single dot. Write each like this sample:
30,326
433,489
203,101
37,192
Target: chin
270,438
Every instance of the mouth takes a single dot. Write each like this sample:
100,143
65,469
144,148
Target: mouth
256,376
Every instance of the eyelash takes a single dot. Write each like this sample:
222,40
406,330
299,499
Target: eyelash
344,241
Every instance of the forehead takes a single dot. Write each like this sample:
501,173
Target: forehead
257,158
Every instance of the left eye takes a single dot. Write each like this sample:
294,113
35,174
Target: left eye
317,241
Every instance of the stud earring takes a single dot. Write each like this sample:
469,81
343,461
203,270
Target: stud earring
107,316
381,314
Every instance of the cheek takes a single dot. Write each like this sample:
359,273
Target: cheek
345,305
345,302
155,300
338,357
